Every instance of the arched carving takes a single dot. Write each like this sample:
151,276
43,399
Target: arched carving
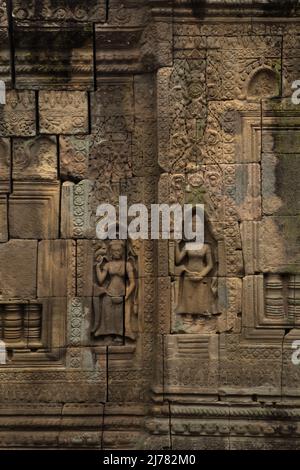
263,83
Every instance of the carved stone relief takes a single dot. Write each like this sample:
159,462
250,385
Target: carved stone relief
115,294
5,67
63,112
35,158
18,117
59,56
21,324
33,332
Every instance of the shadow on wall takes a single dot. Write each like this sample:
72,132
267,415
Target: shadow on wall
279,7
199,8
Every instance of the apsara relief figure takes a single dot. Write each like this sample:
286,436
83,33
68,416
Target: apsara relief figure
197,285
115,293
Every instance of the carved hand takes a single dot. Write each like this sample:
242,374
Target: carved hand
195,276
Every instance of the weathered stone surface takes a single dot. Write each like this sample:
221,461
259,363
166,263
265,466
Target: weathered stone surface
121,390
59,11
76,210
53,56
74,154
144,143
253,368
112,116
290,62
271,245
201,443
78,329
18,269
5,160
63,112
35,158
230,304
34,210
250,246
3,219
281,173
5,68
131,49
248,443
3,13
56,268
164,305
130,431
45,392
192,350
247,195
279,244
128,13
234,64
18,116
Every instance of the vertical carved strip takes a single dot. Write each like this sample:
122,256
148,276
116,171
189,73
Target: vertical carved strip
33,323
81,211
75,322
294,298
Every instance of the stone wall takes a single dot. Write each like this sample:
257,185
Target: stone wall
161,101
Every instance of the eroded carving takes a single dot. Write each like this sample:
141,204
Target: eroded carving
197,290
115,296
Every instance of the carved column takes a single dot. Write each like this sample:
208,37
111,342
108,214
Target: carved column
33,324
13,322
294,298
274,295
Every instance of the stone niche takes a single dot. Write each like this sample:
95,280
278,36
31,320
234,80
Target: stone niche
132,344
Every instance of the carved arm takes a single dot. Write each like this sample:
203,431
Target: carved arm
179,254
131,285
101,273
